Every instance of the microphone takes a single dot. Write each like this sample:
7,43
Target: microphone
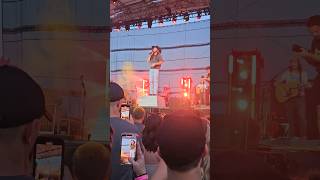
83,85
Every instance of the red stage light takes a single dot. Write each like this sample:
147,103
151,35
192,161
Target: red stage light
145,87
174,19
139,25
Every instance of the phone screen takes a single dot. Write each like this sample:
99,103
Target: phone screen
125,112
48,161
128,147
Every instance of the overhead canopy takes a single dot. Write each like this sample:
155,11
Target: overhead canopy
132,11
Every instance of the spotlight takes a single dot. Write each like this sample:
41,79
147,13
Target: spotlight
199,15
127,27
243,74
149,23
242,104
174,19
186,17
114,1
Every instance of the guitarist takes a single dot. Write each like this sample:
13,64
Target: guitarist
312,56
295,79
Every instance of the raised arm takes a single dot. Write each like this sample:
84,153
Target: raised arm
149,57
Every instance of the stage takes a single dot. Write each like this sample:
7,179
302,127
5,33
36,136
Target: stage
294,145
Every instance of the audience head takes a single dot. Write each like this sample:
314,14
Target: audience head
182,140
116,96
243,165
313,24
152,124
22,104
91,161
138,114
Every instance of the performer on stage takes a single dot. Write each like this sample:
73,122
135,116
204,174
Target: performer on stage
312,56
155,61
293,82
201,90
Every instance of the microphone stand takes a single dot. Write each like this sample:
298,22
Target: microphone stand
83,101
269,85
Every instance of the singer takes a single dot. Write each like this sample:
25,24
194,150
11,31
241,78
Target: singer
155,61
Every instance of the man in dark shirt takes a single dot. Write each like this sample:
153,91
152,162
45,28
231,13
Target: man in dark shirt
22,104
155,61
119,126
313,58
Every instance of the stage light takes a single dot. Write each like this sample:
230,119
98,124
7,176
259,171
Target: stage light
186,17
139,25
242,104
127,27
185,94
206,12
114,1
174,19
145,87
160,21
199,15
149,23
243,74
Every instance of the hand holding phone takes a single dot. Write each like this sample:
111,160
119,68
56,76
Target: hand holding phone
138,165
128,148
48,158
125,111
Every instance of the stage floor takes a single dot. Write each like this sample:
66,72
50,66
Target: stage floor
291,144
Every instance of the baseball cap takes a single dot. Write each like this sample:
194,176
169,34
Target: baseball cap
21,98
181,138
116,92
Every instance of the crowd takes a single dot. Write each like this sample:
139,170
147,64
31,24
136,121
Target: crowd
173,147
170,147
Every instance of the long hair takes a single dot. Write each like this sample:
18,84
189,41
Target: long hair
159,49
152,124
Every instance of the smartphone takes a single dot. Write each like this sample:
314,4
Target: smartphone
125,111
48,158
128,148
